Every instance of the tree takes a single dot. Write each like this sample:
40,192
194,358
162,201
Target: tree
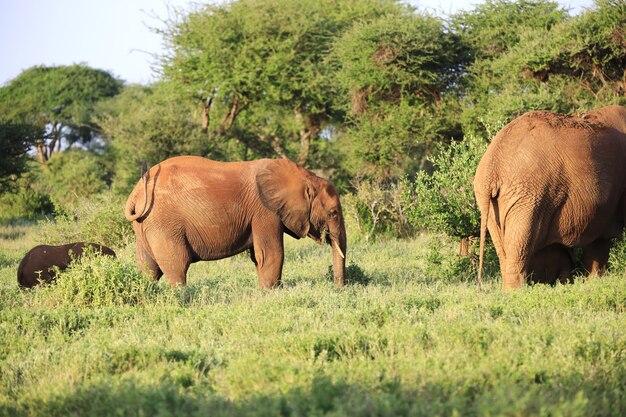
444,200
15,140
531,55
148,124
58,100
398,74
260,68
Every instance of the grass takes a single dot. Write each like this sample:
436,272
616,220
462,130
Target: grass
410,336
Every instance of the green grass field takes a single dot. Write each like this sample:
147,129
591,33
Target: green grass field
404,339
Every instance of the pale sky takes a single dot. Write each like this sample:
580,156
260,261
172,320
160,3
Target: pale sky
114,35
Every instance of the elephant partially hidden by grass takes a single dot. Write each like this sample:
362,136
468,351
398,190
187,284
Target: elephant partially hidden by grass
38,265
551,179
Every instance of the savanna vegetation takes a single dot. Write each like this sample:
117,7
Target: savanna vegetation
393,104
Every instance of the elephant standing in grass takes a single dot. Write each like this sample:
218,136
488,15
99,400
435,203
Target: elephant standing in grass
38,265
551,264
549,179
187,209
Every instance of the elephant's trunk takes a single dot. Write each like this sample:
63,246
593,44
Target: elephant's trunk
339,260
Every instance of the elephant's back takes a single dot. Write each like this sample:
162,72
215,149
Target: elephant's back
183,171
40,258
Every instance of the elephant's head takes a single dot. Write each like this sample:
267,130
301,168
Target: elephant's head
307,206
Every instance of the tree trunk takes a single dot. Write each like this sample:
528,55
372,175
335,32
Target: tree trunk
206,108
41,154
464,247
310,128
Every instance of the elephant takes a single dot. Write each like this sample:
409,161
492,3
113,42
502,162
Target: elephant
551,264
188,208
38,265
549,178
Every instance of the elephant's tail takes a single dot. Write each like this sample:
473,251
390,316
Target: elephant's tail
129,211
484,206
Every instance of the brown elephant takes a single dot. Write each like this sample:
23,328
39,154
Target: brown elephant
548,179
187,209
551,264
38,264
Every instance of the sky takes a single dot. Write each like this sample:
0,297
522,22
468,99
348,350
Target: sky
115,35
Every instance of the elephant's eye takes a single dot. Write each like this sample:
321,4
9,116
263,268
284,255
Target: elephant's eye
332,214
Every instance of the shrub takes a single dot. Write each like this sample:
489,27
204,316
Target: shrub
444,201
98,219
444,263
24,198
617,256
97,281
377,209
73,175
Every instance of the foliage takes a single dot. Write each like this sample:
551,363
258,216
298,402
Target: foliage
15,140
58,99
397,74
546,60
617,256
98,218
149,124
73,175
398,343
260,69
97,281
375,209
25,199
444,200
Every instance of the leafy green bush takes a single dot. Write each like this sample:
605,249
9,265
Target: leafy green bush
376,209
444,202
444,263
97,281
25,197
617,256
24,202
73,175
98,219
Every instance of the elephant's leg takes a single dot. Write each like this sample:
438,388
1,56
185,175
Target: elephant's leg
517,257
513,275
268,255
172,256
596,256
175,266
253,256
146,262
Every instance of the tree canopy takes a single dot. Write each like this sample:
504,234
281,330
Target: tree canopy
361,90
59,100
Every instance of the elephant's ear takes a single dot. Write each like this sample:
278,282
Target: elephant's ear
286,190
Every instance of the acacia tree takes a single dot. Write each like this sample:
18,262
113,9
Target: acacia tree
398,75
148,123
260,68
58,100
532,55
15,140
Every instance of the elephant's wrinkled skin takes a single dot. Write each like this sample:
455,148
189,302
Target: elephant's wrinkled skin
550,179
38,264
187,209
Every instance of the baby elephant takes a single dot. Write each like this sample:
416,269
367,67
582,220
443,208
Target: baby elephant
38,264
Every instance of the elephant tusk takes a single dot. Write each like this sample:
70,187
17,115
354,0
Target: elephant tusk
336,246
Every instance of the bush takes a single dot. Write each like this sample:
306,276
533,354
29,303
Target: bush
73,175
98,219
444,201
97,281
377,209
443,263
617,256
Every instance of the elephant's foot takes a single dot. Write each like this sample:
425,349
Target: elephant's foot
512,281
